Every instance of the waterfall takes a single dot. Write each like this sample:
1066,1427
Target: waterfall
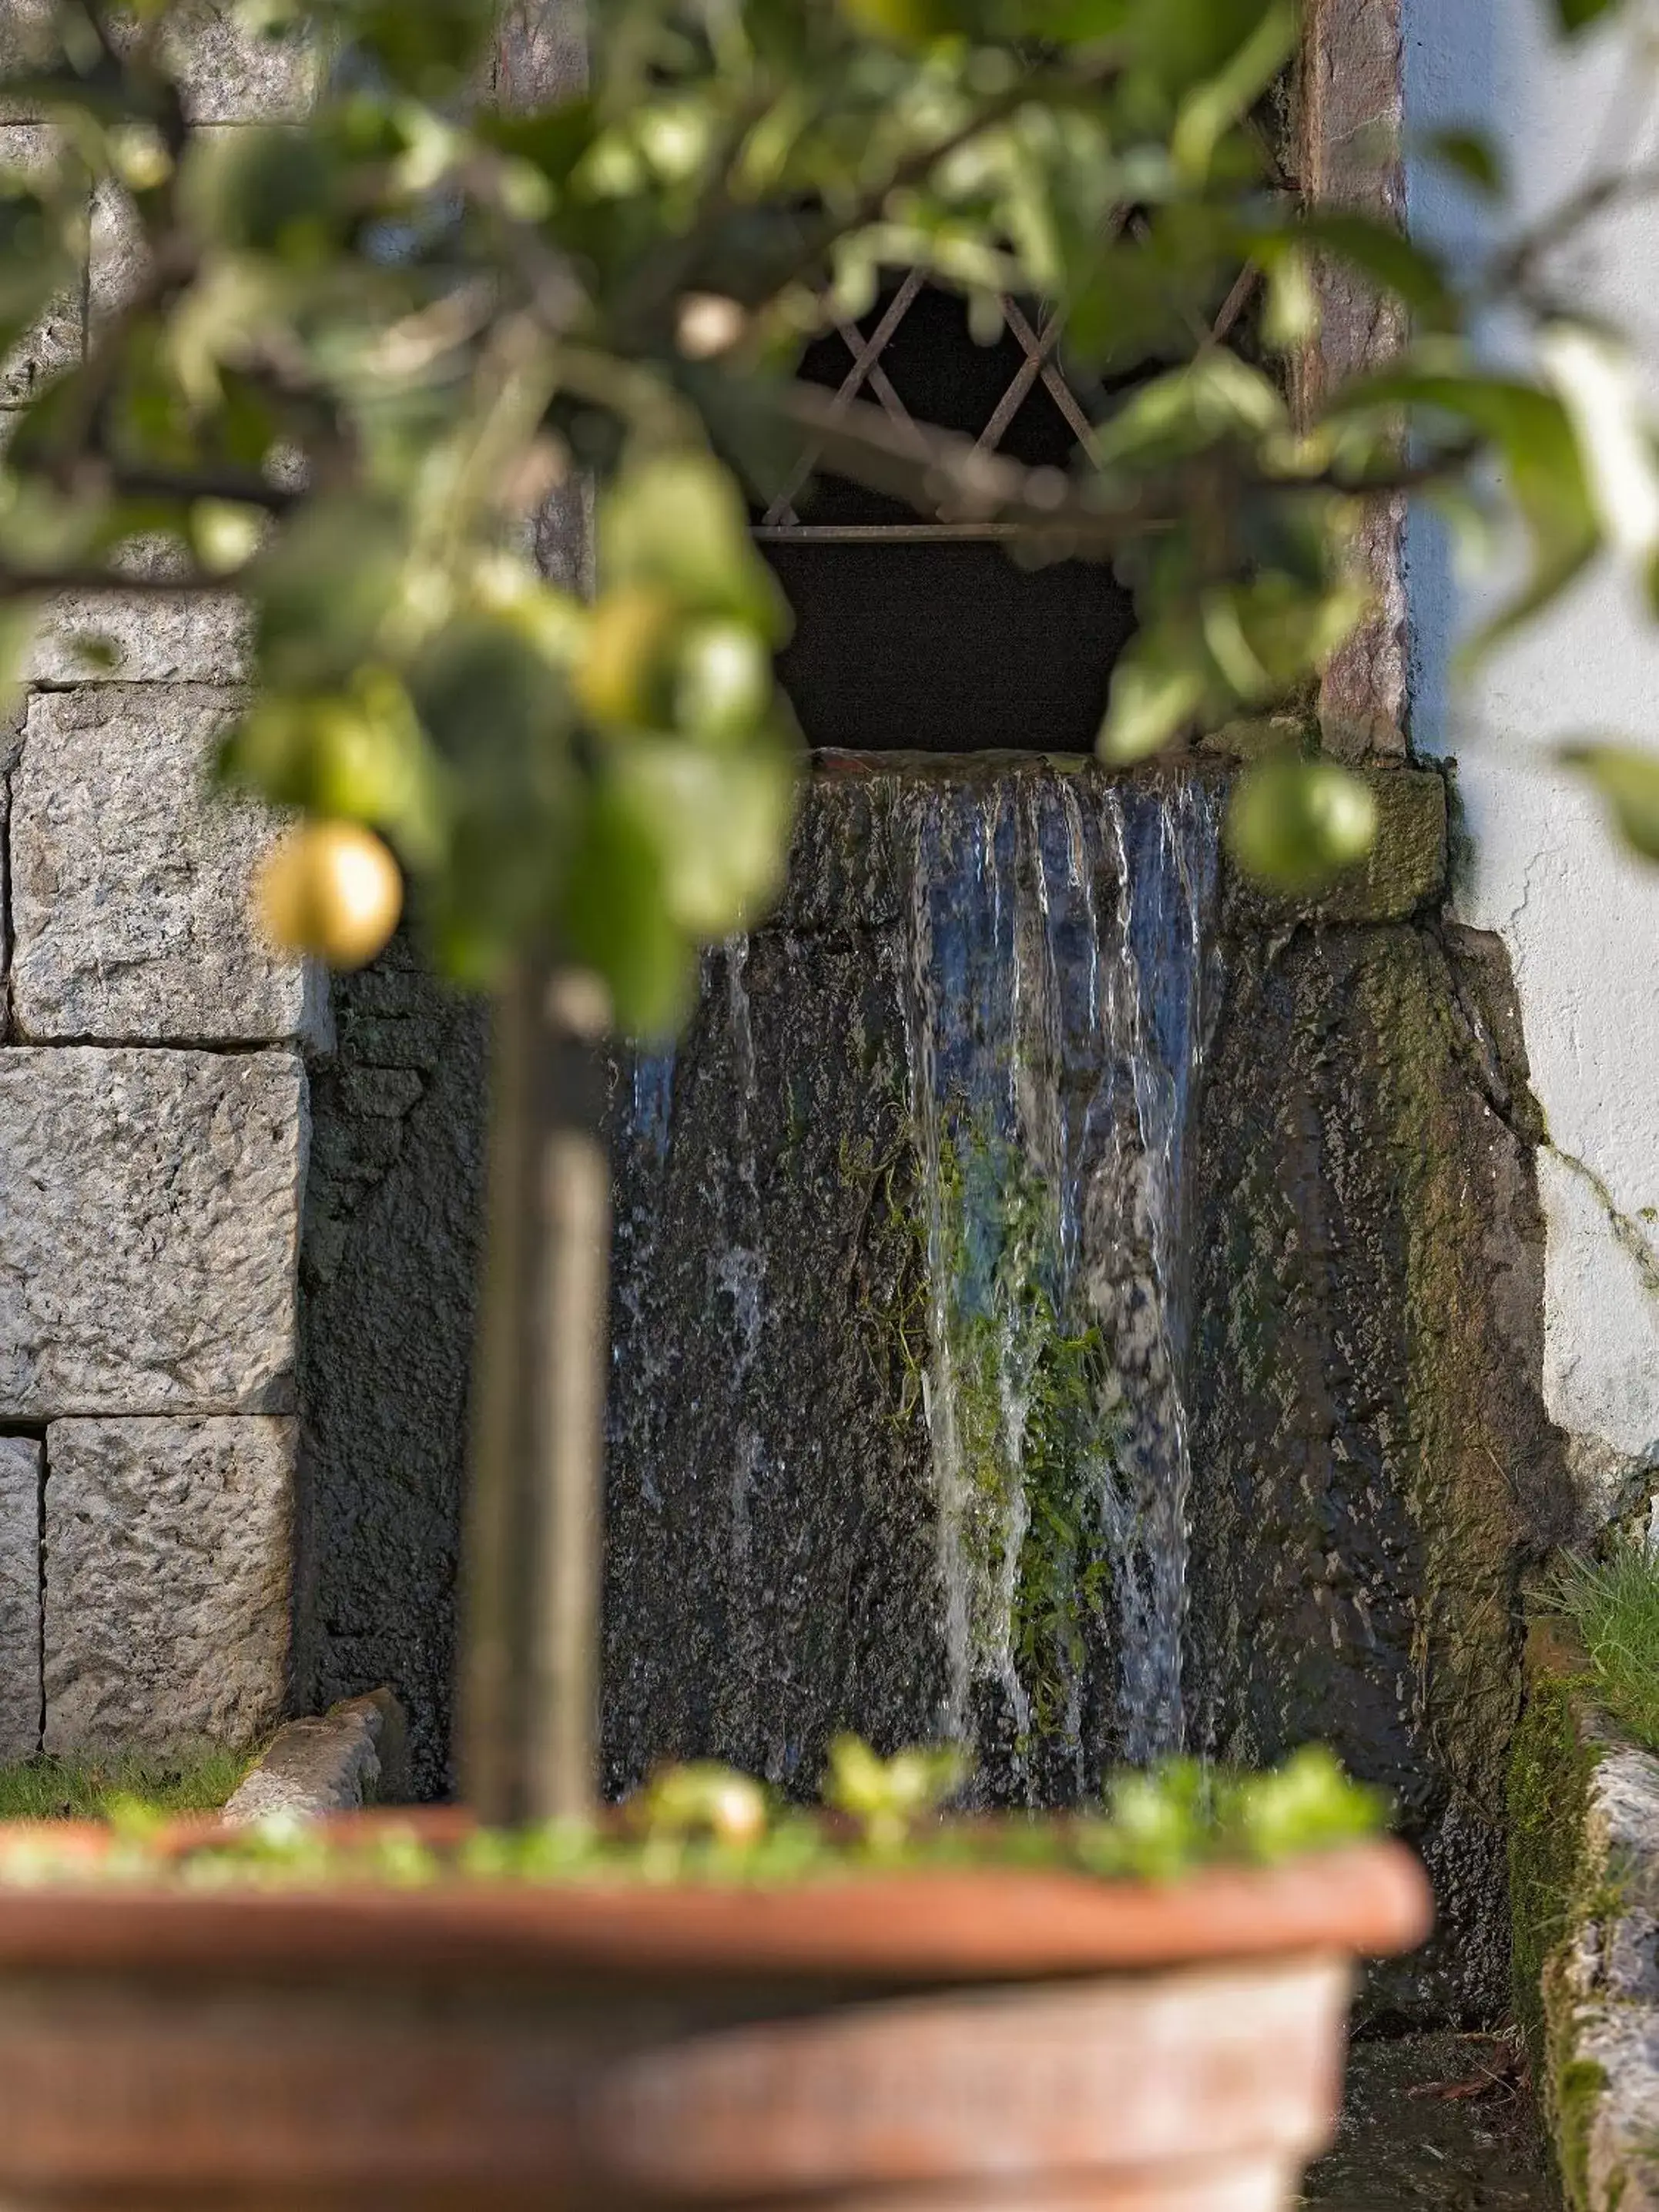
896,1425
1056,939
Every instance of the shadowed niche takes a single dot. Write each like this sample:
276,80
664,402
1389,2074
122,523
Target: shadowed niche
906,636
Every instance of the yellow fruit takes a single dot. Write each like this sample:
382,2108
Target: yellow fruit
331,889
626,665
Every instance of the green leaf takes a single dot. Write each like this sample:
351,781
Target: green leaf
266,188
1471,155
1578,15
676,522
1410,271
323,589
1609,413
1153,699
1294,824
1527,429
1214,397
1209,112
613,914
359,754
1628,779
719,822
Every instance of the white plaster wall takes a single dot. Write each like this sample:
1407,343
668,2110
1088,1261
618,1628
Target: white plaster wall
1581,921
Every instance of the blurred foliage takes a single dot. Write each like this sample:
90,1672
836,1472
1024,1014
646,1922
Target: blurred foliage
344,366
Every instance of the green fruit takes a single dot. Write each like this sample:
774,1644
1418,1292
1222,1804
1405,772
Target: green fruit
723,681
624,674
1293,824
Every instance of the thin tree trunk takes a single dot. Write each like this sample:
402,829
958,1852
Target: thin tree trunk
532,1567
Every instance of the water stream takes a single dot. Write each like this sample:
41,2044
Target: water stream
902,1256
1056,941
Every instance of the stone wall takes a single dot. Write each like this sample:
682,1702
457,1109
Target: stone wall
152,1134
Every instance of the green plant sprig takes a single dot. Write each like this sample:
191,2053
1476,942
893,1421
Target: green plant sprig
707,1824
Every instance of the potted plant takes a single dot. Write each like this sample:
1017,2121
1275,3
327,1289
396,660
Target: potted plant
367,367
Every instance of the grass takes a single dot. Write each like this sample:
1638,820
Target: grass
1613,1604
90,1788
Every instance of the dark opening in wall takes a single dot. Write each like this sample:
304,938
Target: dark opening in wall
936,644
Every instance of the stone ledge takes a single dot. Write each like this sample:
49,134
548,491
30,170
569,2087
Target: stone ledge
356,1754
1585,1807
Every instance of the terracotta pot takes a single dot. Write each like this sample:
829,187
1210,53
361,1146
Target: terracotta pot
977,2041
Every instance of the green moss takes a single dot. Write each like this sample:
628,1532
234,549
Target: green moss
48,1789
1556,1887
1459,1495
1575,2090
1037,1407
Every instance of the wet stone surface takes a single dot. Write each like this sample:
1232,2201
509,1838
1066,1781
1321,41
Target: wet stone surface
1406,2144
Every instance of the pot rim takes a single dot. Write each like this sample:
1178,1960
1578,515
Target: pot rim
899,1927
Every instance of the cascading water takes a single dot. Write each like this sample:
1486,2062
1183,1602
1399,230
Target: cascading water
896,1428
1055,1011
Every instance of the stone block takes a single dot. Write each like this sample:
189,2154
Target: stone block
19,1597
26,42
148,1223
54,343
231,72
129,892
541,52
140,637
1404,872
168,1551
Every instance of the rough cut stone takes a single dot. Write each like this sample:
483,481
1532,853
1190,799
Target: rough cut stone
129,894
19,1597
169,1550
229,72
1371,1461
356,1754
149,1219
1405,869
26,41
142,637
55,341
541,52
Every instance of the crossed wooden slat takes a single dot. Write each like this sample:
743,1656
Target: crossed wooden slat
1038,347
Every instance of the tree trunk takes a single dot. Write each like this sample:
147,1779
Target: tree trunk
533,1566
